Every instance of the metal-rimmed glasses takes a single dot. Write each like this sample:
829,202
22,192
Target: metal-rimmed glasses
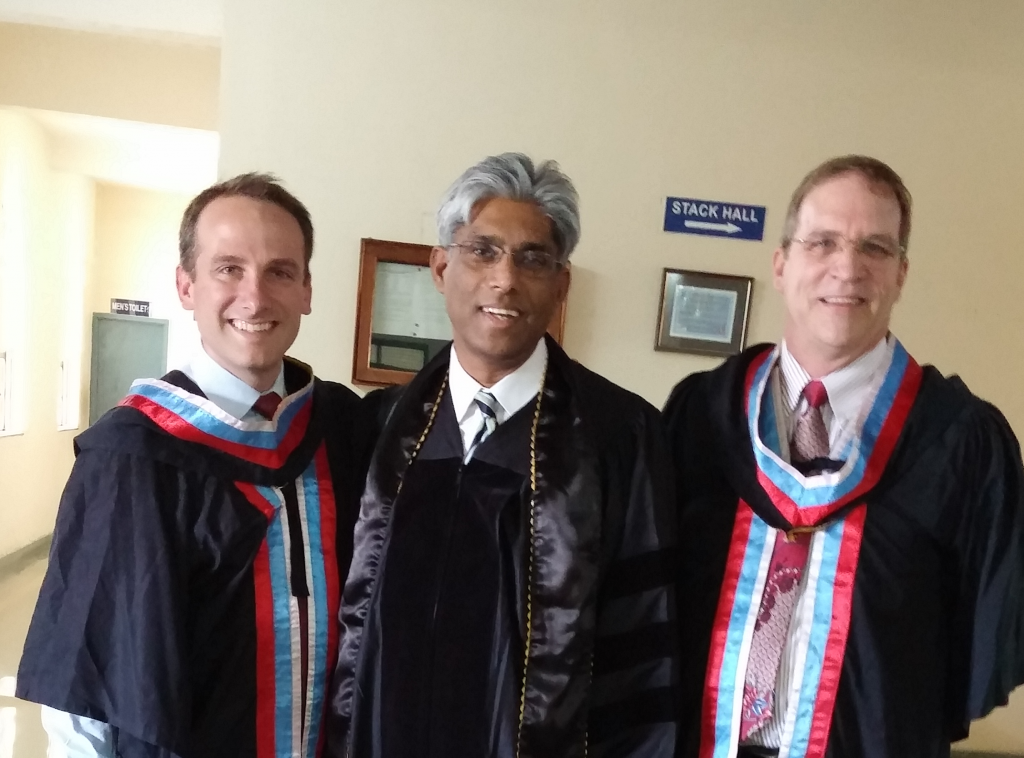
875,248
530,259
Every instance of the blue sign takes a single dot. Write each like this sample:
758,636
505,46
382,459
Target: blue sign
714,218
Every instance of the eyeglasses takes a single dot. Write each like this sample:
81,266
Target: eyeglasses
879,249
481,254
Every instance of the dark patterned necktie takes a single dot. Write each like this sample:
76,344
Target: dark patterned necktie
488,406
771,630
810,437
266,405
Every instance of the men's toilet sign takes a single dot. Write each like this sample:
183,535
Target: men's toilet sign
714,218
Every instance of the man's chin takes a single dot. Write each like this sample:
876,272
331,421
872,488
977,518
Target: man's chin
847,343
511,357
261,361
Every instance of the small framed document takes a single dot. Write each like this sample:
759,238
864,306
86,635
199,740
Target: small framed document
703,313
401,320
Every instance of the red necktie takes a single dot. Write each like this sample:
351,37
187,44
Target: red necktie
266,405
771,630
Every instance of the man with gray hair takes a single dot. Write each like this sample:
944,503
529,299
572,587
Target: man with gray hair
510,591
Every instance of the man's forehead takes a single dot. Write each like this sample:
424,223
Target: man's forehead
500,218
244,255
241,217
233,206
239,211
849,198
247,230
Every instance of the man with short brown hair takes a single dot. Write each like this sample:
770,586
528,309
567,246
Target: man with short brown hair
190,603
851,558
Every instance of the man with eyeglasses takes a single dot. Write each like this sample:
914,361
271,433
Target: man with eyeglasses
851,560
510,591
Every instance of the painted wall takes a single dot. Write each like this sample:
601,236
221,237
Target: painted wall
182,17
370,110
45,240
67,246
136,254
51,277
139,79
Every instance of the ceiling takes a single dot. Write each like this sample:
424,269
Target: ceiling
194,18
166,158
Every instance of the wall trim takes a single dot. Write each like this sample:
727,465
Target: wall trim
19,560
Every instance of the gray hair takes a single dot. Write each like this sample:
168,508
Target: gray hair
514,177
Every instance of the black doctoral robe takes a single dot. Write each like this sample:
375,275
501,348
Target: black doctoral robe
466,592
920,581
183,539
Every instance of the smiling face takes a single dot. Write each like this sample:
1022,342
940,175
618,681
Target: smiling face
249,288
838,306
498,312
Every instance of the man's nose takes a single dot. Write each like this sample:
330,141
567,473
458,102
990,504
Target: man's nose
503,272
252,291
847,263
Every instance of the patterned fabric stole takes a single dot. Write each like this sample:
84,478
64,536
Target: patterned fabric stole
865,460
281,729
286,725
829,579
197,420
829,574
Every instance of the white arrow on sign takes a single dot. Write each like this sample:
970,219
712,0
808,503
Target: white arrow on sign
729,228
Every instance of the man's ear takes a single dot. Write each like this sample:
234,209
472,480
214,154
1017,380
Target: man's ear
778,266
438,265
183,282
307,303
564,281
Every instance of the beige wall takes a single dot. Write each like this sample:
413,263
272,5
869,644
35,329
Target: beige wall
138,79
136,254
68,245
159,81
370,110
45,236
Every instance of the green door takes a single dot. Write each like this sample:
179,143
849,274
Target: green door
124,348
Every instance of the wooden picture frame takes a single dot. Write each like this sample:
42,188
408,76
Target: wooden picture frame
381,360
703,313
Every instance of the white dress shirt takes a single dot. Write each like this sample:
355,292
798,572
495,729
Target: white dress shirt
512,392
851,393
74,736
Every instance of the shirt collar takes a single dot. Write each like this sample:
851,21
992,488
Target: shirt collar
512,391
224,389
845,386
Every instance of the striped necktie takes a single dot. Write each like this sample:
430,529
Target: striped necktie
488,406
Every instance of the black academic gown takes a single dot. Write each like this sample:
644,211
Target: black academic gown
466,592
183,538
920,594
